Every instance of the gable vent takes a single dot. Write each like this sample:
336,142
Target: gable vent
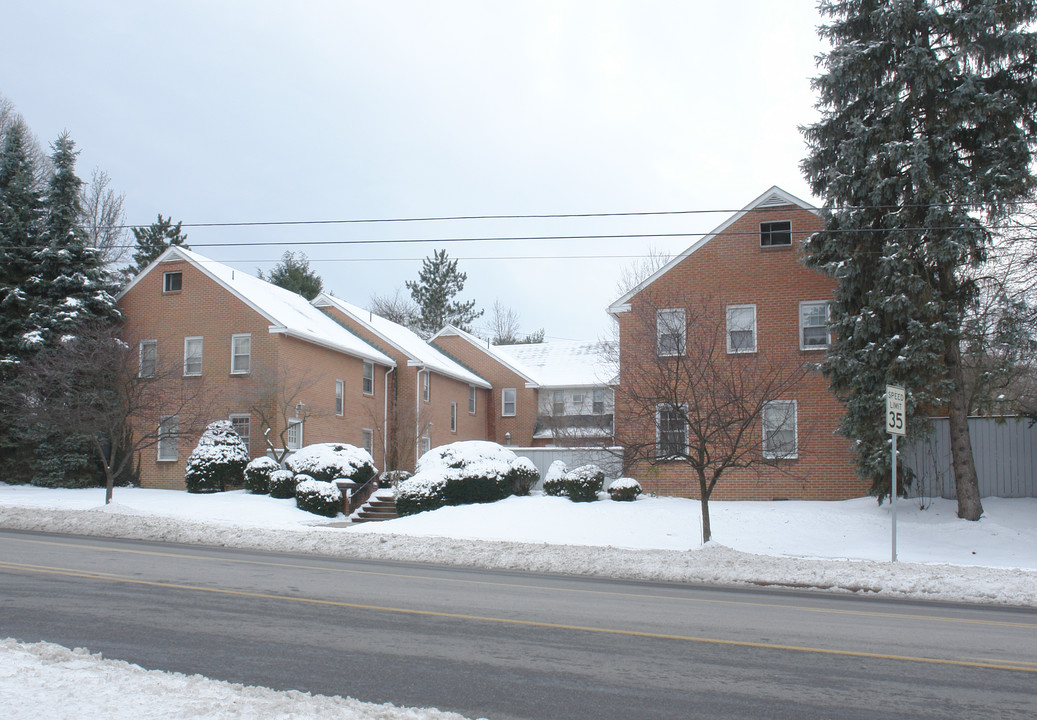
773,201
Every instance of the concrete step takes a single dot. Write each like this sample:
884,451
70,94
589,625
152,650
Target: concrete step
379,507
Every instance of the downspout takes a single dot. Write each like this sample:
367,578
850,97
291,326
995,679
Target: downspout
385,422
417,416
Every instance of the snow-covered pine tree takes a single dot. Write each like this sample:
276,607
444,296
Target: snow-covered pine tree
437,285
928,120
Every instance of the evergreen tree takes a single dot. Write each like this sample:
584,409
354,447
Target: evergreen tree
928,113
437,285
153,240
21,225
293,273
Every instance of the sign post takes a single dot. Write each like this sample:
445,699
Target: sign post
895,425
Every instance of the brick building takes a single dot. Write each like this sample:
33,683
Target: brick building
431,399
747,278
247,351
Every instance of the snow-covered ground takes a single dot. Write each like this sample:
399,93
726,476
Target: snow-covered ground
834,546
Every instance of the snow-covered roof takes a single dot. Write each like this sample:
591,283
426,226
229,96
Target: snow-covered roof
419,353
287,312
576,363
773,197
484,345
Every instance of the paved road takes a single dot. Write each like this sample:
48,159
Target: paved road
510,645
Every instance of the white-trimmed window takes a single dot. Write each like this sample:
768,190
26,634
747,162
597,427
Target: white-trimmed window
241,353
340,397
242,424
779,429
471,399
578,398
774,234
293,438
741,328
813,326
148,358
671,431
558,403
172,282
192,356
599,401
671,332
426,381
426,444
367,439
168,437
508,402
453,417
368,386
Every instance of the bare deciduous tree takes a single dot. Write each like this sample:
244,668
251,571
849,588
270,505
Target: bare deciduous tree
276,398
397,307
93,385
104,219
683,398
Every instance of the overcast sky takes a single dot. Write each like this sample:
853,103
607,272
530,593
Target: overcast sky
222,112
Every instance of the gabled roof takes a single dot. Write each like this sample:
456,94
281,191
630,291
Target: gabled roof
287,312
484,346
419,353
574,363
774,197
577,363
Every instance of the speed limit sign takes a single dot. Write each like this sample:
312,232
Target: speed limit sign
895,410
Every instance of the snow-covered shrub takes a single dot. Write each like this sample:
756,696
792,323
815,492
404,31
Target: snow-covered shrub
524,476
584,483
282,484
554,481
218,461
465,472
421,492
318,497
625,489
257,474
331,461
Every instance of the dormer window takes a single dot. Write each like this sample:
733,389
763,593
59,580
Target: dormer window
775,234
172,282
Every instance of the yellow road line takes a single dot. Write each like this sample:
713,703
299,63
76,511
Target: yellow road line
606,593
991,664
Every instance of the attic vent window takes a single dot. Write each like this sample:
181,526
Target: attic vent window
774,234
172,282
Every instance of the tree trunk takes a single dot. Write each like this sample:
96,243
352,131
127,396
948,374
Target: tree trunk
707,533
966,482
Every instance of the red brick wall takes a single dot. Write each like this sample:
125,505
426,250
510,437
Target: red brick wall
204,308
500,377
733,269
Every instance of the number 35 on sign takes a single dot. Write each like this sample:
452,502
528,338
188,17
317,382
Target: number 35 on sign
895,410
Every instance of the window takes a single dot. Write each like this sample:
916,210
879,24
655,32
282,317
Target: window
813,326
340,396
192,356
507,405
599,401
168,437
558,403
578,399
741,328
293,439
242,423
241,354
453,417
471,399
148,358
172,282
367,439
779,429
425,381
426,444
368,388
671,431
775,233
671,332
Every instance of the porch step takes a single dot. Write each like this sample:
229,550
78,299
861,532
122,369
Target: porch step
381,506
